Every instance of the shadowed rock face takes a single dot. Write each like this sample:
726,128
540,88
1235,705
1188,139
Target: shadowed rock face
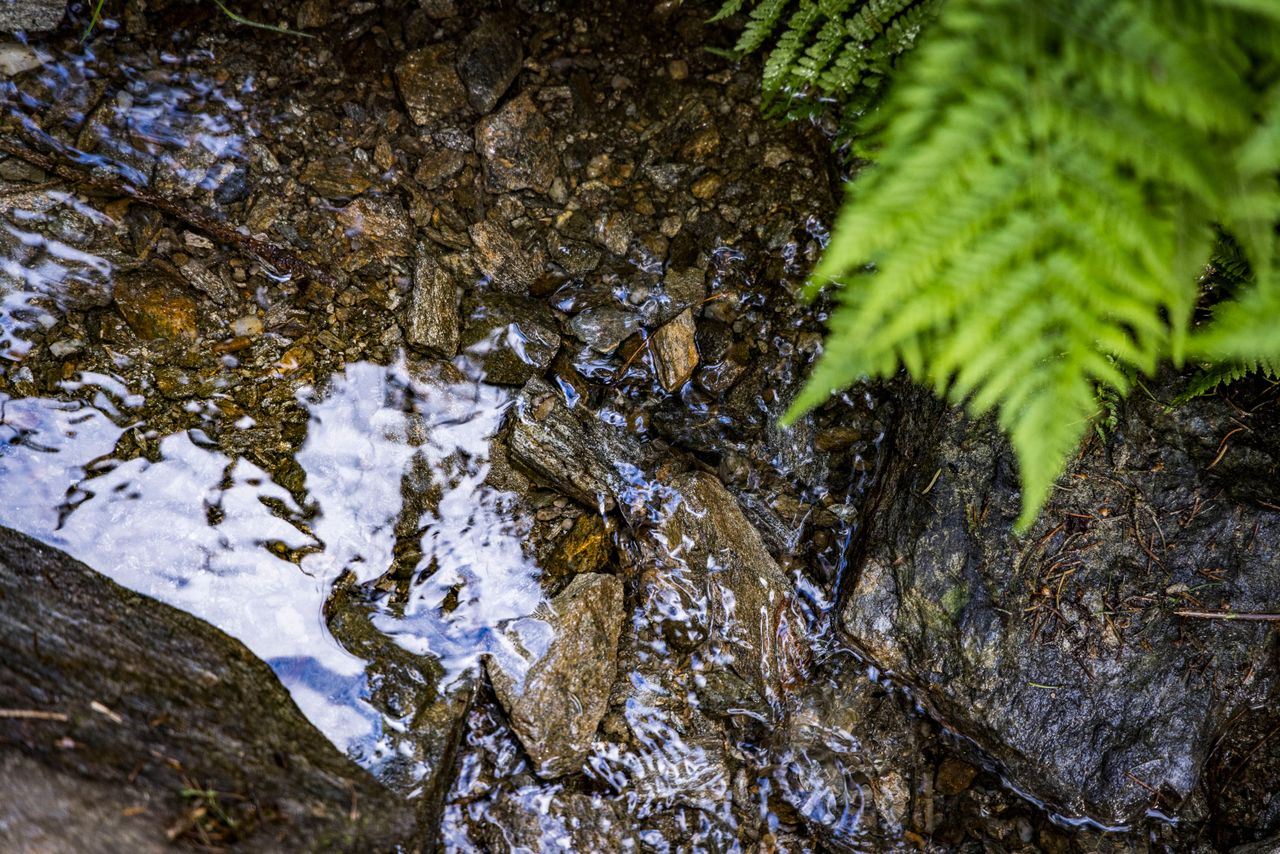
100,682
1061,652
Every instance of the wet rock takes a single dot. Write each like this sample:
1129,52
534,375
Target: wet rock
155,305
52,812
675,353
489,62
556,705
526,819
733,597
684,287
249,325
719,377
954,776
429,84
379,228
500,256
433,321
571,450
574,257
583,548
516,337
148,700
16,58
614,232
31,15
439,9
706,187
604,327
312,14
337,177
1061,653
516,145
837,438
1264,846
847,730
436,167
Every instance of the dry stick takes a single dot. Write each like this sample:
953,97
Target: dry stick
33,715
1230,615
270,254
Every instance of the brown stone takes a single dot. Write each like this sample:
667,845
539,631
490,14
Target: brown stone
583,548
429,84
436,167
337,177
380,229
707,186
953,776
155,305
433,321
675,353
702,145
501,257
516,145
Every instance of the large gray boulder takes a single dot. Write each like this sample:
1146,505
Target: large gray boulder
31,15
1062,653
115,704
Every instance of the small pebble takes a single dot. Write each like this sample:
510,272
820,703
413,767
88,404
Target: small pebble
249,326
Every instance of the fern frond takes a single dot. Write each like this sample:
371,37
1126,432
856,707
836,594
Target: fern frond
764,20
1209,379
828,50
728,10
1048,178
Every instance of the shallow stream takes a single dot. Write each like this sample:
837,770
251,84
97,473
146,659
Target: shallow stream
327,473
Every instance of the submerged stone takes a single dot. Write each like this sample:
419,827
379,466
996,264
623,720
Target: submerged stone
675,352
433,321
736,600
337,177
570,450
604,327
490,62
155,305
515,337
556,705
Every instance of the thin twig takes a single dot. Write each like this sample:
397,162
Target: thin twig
33,715
269,254
1230,615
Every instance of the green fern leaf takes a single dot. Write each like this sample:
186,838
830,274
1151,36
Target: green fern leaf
728,10
1048,176
764,20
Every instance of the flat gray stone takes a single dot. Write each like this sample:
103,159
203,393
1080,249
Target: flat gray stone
556,705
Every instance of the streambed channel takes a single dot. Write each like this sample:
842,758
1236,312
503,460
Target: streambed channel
436,357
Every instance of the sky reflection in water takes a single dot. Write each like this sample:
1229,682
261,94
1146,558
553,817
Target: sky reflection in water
148,526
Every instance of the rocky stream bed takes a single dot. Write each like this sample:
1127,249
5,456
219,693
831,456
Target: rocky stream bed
390,462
